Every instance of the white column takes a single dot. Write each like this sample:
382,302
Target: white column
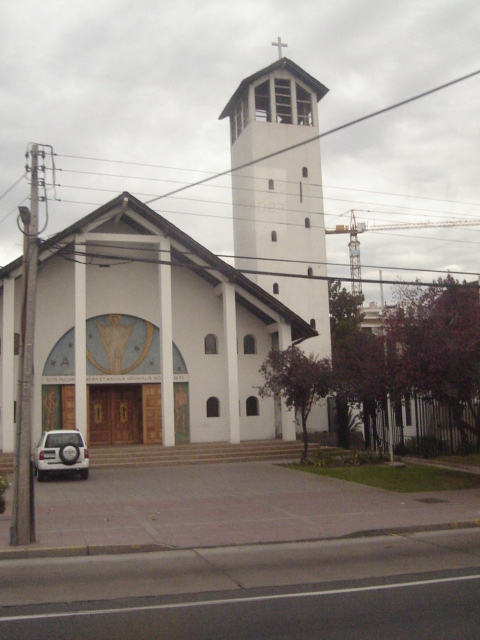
80,340
288,417
8,366
230,335
166,344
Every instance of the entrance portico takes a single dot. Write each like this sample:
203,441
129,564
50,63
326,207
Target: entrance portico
124,389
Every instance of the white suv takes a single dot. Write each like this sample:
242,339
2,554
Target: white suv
60,451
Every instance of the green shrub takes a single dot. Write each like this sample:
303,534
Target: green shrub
4,484
336,458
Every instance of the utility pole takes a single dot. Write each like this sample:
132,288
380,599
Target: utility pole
23,515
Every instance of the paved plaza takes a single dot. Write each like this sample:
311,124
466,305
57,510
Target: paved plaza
219,505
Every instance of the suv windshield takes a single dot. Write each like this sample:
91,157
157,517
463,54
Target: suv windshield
56,440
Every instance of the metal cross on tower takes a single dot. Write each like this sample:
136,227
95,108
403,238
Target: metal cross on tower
279,44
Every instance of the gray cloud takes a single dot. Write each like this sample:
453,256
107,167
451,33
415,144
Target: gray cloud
145,82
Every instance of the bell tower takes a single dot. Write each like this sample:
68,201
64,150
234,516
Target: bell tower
277,199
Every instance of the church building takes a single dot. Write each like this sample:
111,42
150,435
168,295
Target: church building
142,335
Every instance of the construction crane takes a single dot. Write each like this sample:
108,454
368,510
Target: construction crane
354,228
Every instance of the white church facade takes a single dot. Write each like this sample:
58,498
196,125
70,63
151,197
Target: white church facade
144,336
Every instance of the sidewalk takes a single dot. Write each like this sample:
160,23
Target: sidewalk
146,509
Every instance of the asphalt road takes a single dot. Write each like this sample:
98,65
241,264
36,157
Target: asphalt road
423,585
435,606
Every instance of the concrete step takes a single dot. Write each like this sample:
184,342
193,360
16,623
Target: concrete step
6,463
108,457
130,456
188,450
125,464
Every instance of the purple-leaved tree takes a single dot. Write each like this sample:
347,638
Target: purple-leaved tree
433,347
300,380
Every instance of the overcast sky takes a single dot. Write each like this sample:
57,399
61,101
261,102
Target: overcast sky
144,83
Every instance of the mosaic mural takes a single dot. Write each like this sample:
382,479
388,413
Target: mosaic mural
116,345
51,407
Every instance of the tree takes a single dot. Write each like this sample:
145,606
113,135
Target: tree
433,347
300,380
358,360
345,309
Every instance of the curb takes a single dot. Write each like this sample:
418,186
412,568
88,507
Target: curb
28,553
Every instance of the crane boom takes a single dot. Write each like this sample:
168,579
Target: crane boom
354,245
424,225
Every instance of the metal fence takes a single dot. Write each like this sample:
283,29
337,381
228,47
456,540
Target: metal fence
420,426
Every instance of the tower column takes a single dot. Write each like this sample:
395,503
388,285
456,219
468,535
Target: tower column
80,337
230,335
287,416
8,366
166,346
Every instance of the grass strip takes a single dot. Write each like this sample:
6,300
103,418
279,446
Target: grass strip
408,479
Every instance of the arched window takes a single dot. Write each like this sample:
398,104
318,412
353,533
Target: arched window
275,287
213,407
313,324
211,344
304,172
249,344
310,272
252,406
307,223
271,185
274,236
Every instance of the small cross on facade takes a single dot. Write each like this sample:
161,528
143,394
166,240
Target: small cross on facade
279,44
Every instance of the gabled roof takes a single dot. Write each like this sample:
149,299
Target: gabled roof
213,266
284,63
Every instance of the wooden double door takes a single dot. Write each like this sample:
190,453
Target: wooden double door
115,414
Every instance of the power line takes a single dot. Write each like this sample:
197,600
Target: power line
14,210
401,235
322,135
401,195
312,197
227,269
100,245
270,222
278,223
313,184
13,186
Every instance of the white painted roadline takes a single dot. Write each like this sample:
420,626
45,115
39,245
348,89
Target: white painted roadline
237,601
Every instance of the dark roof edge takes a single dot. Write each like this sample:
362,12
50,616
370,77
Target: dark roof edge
284,63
